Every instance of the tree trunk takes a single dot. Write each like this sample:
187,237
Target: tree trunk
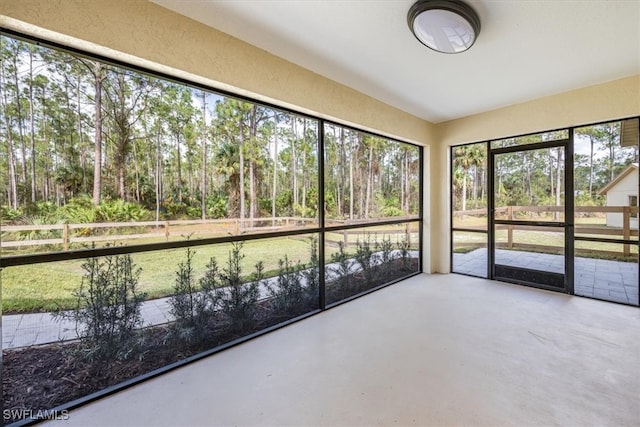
407,182
275,169
136,169
97,151
464,190
203,183
558,182
32,130
304,168
294,161
253,132
120,167
241,171
350,186
591,168
369,182
402,181
179,167
157,174
23,149
13,187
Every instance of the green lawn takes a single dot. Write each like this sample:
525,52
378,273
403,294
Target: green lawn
48,286
43,287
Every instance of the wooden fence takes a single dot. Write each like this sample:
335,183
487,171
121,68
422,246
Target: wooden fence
626,232
67,234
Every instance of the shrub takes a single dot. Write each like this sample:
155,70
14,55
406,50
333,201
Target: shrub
342,268
385,248
391,211
311,276
8,215
217,206
288,294
79,210
364,257
107,313
238,300
120,211
36,234
174,210
404,246
192,305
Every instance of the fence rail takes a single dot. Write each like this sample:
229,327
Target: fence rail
77,233
626,232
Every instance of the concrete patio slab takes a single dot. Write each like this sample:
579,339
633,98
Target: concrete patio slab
609,280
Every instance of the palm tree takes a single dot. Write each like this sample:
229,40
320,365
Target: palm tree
464,158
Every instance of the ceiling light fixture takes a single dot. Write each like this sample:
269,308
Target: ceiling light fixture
447,26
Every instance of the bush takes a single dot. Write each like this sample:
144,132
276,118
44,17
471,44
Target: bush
342,269
287,295
217,206
238,300
364,257
386,250
404,246
391,211
120,211
79,210
8,215
311,276
175,210
107,314
193,306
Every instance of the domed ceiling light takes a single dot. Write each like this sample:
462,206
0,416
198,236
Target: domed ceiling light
447,26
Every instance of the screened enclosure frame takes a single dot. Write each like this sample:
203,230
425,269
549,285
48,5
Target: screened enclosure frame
569,202
320,230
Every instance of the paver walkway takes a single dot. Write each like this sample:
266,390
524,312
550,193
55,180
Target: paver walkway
596,278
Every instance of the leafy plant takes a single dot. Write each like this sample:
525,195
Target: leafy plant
364,257
385,248
288,293
120,211
192,305
8,215
311,276
217,206
391,211
237,299
342,268
79,210
404,246
107,313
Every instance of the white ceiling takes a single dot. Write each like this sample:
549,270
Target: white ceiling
526,49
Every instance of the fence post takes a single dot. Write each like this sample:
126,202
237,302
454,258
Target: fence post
166,230
626,227
65,237
345,239
510,227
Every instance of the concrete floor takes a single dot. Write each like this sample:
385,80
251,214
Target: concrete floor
439,350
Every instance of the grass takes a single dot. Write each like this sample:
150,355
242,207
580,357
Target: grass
550,242
49,286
